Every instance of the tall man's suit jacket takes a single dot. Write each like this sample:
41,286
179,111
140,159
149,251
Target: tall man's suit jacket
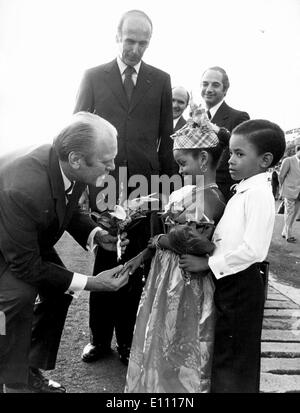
228,118
289,178
142,125
33,216
144,145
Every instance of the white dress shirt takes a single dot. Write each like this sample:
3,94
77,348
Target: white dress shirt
243,235
175,121
123,66
214,109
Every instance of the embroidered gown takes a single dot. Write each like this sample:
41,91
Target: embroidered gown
174,333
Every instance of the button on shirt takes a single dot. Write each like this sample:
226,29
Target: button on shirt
243,235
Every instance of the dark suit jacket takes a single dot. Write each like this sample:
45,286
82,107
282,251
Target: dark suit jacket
181,122
142,124
34,215
228,118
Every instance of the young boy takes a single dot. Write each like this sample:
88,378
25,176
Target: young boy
242,240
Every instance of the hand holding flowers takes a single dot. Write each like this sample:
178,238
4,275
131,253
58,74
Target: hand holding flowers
123,217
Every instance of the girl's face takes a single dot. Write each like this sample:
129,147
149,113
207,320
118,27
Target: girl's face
244,160
188,165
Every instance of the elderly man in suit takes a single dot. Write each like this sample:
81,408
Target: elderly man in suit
180,100
136,98
289,179
39,193
214,87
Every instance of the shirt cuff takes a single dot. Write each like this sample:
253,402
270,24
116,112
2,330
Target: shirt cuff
91,245
219,267
77,285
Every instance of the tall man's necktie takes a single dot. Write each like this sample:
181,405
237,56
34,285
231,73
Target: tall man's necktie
208,115
128,82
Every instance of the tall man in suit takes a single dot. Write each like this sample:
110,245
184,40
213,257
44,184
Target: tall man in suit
39,193
214,87
180,100
289,179
136,98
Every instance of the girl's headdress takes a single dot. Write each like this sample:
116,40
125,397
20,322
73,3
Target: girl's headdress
196,133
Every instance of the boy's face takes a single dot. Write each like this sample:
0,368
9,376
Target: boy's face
244,160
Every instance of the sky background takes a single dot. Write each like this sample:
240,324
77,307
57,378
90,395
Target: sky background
45,46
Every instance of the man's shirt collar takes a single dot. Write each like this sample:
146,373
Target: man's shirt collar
67,182
214,109
253,181
122,66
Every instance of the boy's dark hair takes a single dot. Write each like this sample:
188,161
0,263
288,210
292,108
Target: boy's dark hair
266,136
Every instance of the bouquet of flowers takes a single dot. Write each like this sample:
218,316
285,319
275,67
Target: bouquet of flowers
189,229
123,217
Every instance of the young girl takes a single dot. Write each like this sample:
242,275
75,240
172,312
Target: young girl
242,240
172,345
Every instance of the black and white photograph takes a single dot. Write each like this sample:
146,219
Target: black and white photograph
149,199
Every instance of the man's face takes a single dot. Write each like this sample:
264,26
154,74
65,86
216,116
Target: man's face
212,88
100,164
179,102
134,39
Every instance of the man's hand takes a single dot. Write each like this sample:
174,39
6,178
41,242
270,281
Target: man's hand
132,265
110,280
192,263
109,242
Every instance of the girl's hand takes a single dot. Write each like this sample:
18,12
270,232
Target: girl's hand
193,263
132,265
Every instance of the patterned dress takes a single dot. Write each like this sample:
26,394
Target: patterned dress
174,333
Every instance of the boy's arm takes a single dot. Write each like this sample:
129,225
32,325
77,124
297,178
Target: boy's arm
255,241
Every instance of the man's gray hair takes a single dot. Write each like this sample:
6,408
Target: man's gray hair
81,134
129,13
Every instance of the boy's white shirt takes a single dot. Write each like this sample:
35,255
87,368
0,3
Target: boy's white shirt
243,235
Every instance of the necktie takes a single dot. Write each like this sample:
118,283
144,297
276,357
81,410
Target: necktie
68,192
208,115
128,82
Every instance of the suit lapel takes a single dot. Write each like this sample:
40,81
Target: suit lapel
73,202
144,82
57,185
114,80
181,122
221,115
63,211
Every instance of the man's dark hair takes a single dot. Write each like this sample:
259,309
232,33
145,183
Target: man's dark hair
132,13
266,136
225,79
